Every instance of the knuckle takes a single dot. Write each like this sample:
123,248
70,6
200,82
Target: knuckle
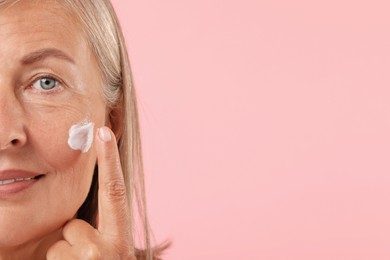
124,251
55,251
91,252
51,254
127,254
128,257
116,190
74,224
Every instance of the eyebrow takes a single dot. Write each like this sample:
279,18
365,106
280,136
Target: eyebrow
42,54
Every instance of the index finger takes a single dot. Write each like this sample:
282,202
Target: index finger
114,209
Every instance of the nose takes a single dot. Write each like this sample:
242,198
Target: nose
12,129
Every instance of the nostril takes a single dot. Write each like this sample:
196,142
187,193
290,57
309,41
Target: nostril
15,142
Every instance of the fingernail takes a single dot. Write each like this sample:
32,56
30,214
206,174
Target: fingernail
104,134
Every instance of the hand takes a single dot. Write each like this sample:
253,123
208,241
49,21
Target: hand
112,239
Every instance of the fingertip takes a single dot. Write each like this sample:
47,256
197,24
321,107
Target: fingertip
104,134
105,145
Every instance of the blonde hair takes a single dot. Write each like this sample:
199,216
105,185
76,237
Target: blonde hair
105,38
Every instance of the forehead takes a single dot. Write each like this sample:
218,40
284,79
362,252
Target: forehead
37,13
27,25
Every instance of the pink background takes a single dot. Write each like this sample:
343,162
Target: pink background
266,126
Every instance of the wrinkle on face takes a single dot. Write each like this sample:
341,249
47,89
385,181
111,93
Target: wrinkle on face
27,26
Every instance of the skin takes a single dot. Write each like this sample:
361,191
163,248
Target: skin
39,222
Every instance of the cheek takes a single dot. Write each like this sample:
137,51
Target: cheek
48,134
68,172
48,137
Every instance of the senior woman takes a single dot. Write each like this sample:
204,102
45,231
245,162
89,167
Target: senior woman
71,173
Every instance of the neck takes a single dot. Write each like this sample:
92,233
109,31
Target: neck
34,249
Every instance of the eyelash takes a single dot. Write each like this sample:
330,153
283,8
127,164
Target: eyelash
59,84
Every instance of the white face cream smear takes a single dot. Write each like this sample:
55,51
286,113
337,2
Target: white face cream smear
81,136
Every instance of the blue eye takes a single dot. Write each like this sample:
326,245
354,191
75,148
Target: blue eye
45,83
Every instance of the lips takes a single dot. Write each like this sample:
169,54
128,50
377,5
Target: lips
15,181
17,175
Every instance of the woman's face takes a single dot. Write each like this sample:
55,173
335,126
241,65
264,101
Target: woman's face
49,81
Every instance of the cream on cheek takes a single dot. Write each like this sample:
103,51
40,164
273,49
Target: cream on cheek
81,136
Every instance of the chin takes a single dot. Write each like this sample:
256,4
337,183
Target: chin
20,232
